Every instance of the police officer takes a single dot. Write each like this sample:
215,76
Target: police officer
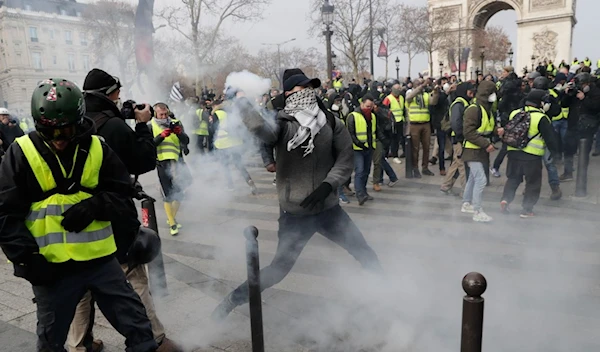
62,190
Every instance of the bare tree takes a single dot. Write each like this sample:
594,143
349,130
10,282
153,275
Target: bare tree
266,63
432,32
188,19
110,23
387,20
495,43
410,32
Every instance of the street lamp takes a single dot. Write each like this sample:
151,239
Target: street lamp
471,72
327,17
279,53
482,56
441,68
510,56
532,62
397,68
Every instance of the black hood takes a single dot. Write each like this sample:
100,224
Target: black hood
97,102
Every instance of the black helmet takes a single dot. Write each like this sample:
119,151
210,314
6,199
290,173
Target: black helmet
583,78
541,83
144,248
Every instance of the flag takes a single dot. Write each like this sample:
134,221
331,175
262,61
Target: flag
464,59
382,50
452,61
176,94
144,50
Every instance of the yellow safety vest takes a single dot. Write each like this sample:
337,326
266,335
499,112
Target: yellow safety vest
537,145
23,126
587,63
338,84
417,113
457,100
203,128
565,113
575,63
223,140
360,127
170,147
56,244
485,129
560,115
397,107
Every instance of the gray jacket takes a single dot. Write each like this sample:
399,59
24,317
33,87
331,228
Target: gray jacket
331,161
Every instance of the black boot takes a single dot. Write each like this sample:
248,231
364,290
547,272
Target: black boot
556,193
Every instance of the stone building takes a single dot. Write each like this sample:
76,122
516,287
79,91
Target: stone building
40,39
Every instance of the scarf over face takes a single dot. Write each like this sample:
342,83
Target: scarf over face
303,107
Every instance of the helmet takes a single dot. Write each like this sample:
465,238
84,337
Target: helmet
583,78
534,75
144,248
56,103
541,83
4,111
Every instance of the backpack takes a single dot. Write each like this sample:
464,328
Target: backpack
516,131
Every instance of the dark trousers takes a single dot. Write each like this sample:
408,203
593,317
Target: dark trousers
516,170
294,233
204,142
231,156
500,157
441,139
118,302
169,179
397,139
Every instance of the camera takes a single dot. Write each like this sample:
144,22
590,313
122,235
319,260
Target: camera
129,107
427,89
572,89
172,125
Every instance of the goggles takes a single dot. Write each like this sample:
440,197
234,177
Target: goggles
65,133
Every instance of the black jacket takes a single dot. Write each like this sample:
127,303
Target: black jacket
550,138
379,135
134,148
588,107
19,189
9,134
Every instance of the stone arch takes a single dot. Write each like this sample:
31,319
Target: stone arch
491,7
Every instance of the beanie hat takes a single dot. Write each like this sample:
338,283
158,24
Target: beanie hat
535,97
100,81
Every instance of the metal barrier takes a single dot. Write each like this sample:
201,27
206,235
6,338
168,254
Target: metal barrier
254,295
408,153
474,285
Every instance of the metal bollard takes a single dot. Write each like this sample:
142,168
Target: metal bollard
582,167
254,296
408,166
156,268
474,285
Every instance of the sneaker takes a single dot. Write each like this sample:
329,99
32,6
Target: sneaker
348,191
176,223
428,172
369,197
253,188
397,160
467,208
481,216
362,199
566,177
495,172
393,183
527,215
376,187
448,192
433,160
174,230
223,309
274,182
416,174
344,199
504,207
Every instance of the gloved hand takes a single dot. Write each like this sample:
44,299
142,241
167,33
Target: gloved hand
38,271
177,130
186,150
166,133
317,196
79,216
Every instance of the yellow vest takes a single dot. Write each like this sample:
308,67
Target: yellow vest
397,107
565,113
457,100
485,129
338,84
203,128
45,216
587,63
360,127
418,114
575,63
170,147
223,140
555,95
23,126
537,145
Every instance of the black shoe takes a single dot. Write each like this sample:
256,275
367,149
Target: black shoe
402,156
433,161
362,199
448,158
369,197
566,177
428,172
416,173
595,153
223,309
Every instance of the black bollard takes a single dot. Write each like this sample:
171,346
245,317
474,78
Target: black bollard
474,285
156,268
254,297
582,167
408,152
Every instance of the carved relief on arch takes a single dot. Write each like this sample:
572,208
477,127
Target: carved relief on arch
544,44
546,4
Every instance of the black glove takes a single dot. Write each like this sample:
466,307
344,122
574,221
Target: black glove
38,271
317,196
186,150
79,216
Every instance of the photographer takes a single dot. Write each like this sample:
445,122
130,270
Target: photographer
9,128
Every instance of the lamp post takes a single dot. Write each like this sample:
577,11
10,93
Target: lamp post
510,56
482,56
327,16
441,68
471,72
279,53
532,63
371,38
397,68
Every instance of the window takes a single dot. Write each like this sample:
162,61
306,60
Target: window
33,34
36,59
68,37
83,38
86,63
51,33
54,60
71,59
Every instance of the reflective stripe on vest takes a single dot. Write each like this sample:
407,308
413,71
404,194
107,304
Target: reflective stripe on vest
202,129
417,113
565,113
44,219
397,107
170,148
223,139
560,115
485,129
360,127
457,100
537,145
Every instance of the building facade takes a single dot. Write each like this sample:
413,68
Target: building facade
40,39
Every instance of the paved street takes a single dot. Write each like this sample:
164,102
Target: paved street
543,286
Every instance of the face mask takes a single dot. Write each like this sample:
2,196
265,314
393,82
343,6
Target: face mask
446,87
118,103
396,92
335,107
546,107
366,112
586,89
380,90
558,87
492,98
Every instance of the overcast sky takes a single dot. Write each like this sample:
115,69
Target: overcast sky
286,19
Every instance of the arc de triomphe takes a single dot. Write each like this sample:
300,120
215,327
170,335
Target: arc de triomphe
545,27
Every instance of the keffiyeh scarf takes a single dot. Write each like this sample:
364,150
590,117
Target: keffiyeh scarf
304,108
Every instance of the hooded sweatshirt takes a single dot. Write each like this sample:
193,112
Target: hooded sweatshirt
472,121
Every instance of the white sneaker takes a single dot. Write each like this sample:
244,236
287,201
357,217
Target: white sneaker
397,161
467,208
481,216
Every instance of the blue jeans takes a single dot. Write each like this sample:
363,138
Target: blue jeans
388,171
362,168
560,127
552,170
475,184
441,139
